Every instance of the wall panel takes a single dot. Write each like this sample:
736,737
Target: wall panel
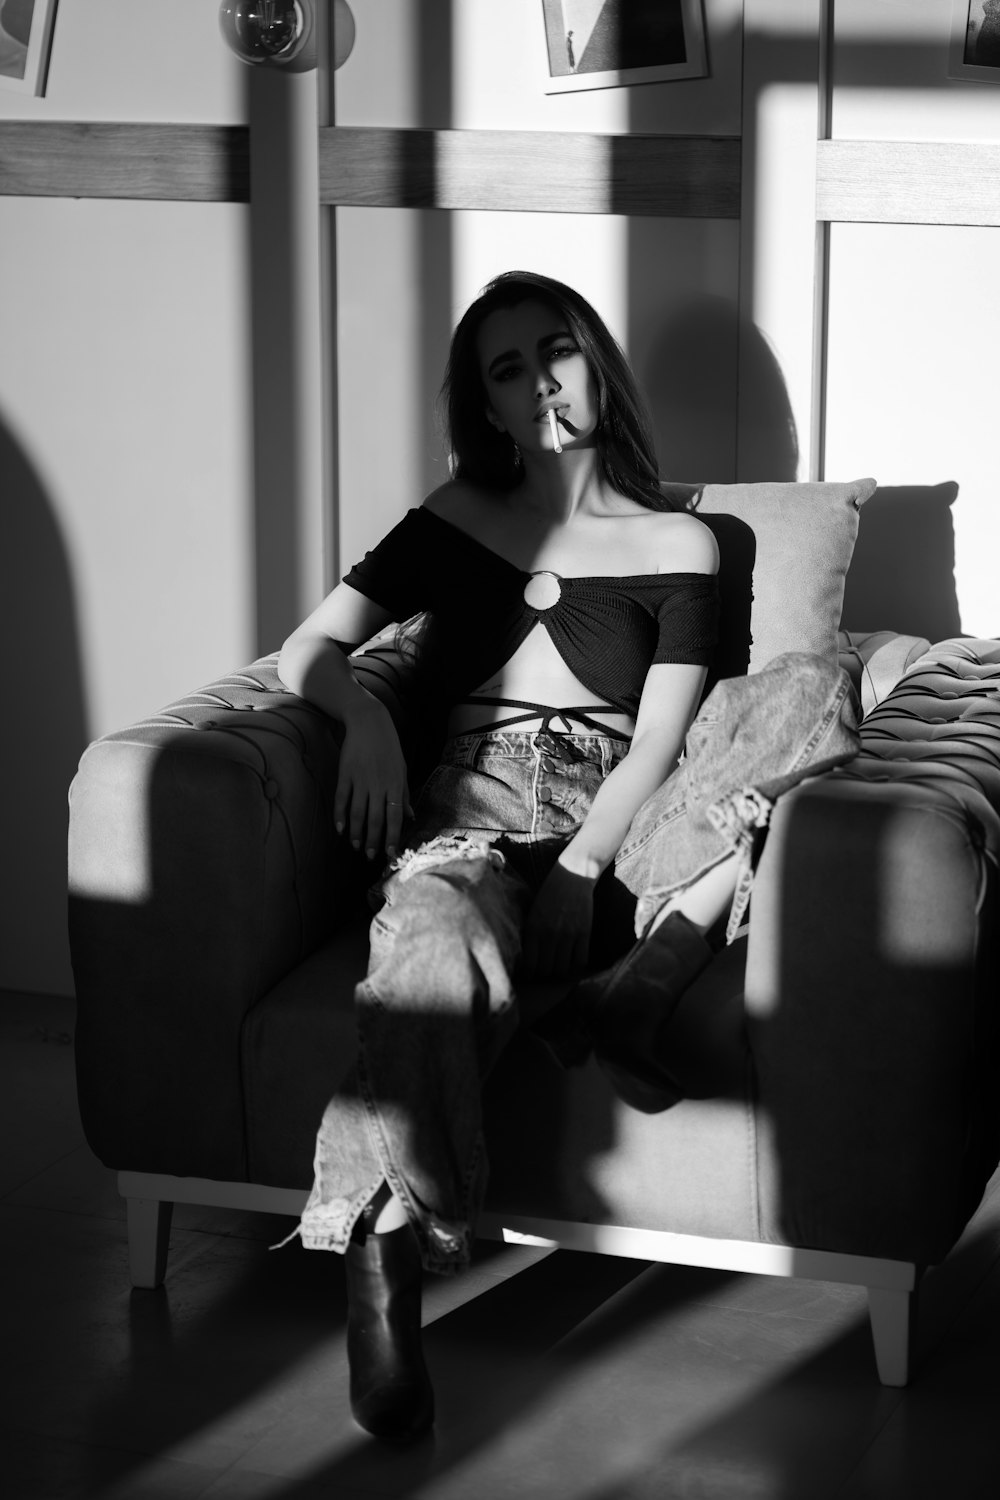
125,426
913,171
911,383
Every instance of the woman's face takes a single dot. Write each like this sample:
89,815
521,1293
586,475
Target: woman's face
531,364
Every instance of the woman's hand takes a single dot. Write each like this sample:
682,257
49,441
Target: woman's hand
556,937
372,798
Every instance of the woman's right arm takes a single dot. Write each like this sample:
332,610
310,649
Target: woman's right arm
371,796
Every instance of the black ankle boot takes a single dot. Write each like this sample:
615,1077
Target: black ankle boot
391,1394
621,1013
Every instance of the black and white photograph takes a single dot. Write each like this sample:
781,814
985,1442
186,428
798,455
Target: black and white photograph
500,785
600,44
975,41
25,34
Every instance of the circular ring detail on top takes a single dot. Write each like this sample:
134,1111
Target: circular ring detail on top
543,590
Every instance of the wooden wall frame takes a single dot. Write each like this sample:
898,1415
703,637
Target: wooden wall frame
70,159
907,182
495,170
884,182
531,171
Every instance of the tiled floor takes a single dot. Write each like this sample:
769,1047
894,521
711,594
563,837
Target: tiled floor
559,1375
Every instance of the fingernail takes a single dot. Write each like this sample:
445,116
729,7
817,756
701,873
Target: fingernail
355,843
339,827
390,849
369,853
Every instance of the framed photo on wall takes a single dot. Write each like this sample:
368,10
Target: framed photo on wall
975,40
25,37
606,44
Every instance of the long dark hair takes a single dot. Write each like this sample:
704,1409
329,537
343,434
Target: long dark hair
624,438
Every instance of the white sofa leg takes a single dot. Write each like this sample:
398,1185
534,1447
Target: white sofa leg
893,1319
148,1239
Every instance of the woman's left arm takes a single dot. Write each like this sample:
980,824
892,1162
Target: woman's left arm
557,931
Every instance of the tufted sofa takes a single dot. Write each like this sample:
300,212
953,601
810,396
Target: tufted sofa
840,1115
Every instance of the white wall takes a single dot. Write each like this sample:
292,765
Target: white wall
132,60
915,310
891,76
126,566
405,276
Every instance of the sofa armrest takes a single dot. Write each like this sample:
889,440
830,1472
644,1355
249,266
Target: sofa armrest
872,975
203,866
876,660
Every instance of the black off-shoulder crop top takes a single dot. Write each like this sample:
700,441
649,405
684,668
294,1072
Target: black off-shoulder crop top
609,631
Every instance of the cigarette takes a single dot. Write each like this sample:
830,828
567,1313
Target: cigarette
555,430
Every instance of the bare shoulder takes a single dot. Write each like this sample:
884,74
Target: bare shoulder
684,544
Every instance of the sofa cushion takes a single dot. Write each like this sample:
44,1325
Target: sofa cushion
785,548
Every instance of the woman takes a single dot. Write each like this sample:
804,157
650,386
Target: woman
570,618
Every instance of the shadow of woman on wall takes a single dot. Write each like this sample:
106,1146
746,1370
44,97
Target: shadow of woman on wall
690,379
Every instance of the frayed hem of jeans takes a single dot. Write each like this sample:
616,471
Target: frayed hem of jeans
310,1241
295,1235
314,1239
440,849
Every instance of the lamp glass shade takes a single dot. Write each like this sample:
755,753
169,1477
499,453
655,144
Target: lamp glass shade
261,31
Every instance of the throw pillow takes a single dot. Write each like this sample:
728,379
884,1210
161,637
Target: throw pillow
784,549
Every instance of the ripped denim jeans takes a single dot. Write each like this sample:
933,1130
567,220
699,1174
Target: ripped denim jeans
438,1003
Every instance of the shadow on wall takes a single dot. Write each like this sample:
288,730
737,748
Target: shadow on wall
689,377
38,620
436,76
902,576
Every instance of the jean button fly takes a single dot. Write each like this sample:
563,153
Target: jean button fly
545,794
